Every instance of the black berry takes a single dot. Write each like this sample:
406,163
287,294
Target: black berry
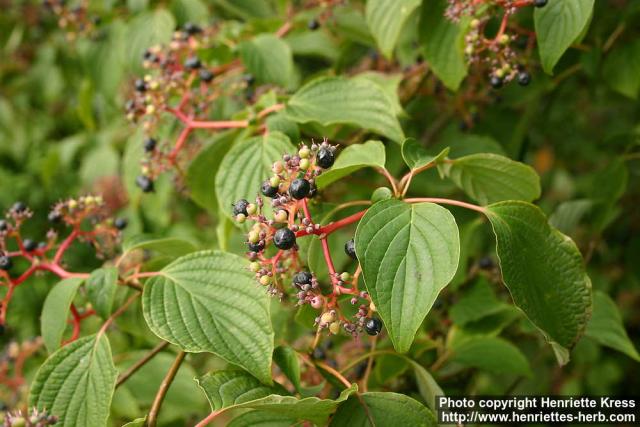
249,79
495,82
121,223
372,326
19,207
485,262
325,158
140,85
5,263
150,144
191,28
540,3
29,245
299,188
145,183
54,217
284,239
313,24
302,278
205,75
3,225
240,207
350,248
192,63
267,190
256,247
524,78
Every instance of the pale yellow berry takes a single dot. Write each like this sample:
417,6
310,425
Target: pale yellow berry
504,39
254,266
251,209
253,237
304,164
334,328
265,280
345,277
277,167
304,152
150,109
327,317
475,23
274,181
281,216
372,306
241,218
72,204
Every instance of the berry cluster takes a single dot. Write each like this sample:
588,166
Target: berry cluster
90,223
34,418
496,54
76,20
287,218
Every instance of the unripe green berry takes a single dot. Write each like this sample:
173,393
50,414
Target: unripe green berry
274,181
254,266
327,317
281,216
251,209
345,277
475,23
304,152
253,237
334,328
304,164
265,280
240,218
504,39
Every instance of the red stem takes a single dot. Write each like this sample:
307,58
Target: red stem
331,227
65,245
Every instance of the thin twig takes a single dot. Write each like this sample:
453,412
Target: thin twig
140,363
164,388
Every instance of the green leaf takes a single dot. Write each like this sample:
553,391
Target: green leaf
209,301
169,246
55,312
415,156
558,25
443,43
338,100
146,30
76,383
246,165
269,59
622,69
287,359
237,389
607,328
101,290
138,422
261,419
313,43
491,354
389,84
428,387
478,302
384,409
568,215
386,19
489,178
352,158
202,171
544,272
408,254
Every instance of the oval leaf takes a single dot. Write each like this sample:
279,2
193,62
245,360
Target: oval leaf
269,59
337,100
408,254
246,165
287,360
56,310
76,383
491,354
383,409
386,18
544,272
558,25
101,290
489,178
352,158
606,326
415,156
237,389
209,301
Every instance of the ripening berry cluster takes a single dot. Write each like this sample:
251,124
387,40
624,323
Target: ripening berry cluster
34,418
497,54
280,222
87,214
75,20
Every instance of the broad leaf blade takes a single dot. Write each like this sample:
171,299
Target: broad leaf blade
443,44
287,359
428,387
385,409
269,59
408,254
544,272
76,383
338,100
352,158
101,290
491,354
415,156
56,311
169,246
237,389
606,326
246,165
386,19
209,301
489,178
558,25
